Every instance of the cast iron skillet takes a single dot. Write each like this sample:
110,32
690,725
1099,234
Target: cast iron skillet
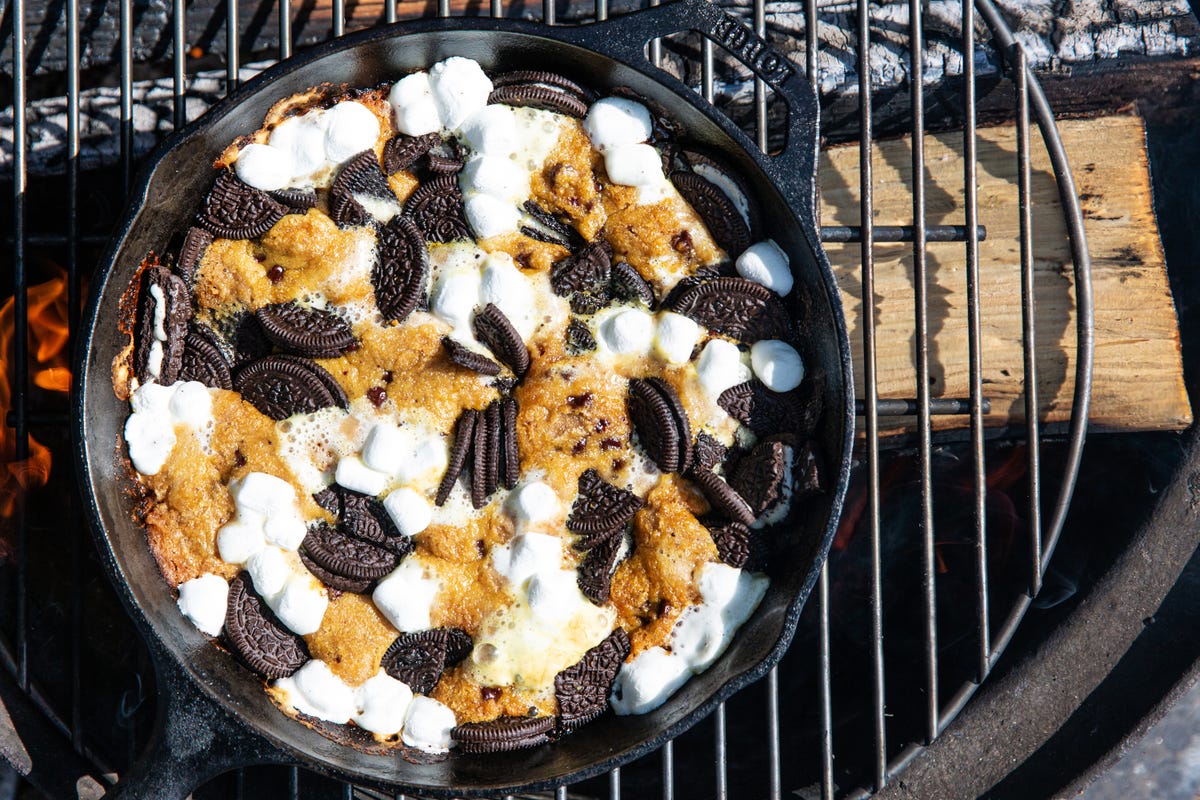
213,714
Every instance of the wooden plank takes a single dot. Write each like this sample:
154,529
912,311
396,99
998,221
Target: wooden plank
1138,383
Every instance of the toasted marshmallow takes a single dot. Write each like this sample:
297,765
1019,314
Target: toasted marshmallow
765,262
157,410
203,601
777,364
460,89
354,474
264,167
413,107
489,216
720,366
675,337
315,690
409,510
633,165
238,541
615,121
427,725
492,130
629,330
526,555
382,703
405,596
645,683
350,128
302,604
496,176
303,140
532,503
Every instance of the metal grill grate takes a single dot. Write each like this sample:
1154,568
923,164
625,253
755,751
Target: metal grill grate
58,721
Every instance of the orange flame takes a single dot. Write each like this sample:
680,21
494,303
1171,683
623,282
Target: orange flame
48,332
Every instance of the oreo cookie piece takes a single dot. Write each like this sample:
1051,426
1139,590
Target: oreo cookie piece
310,332
485,461
510,459
497,332
582,689
437,209
548,228
443,165
809,469
731,183
738,545
363,517
519,76
760,409
736,307
464,437
297,200
257,636
679,414
398,276
359,177
248,340
420,658
600,509
628,285
345,555
707,452
195,242
597,568
464,356
280,386
722,497
161,327
333,580
492,426
203,360
661,423
719,213
579,338
402,151
538,95
584,277
762,476
502,735
235,210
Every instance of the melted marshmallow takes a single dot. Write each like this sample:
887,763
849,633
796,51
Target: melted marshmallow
158,413
382,704
315,690
203,601
405,596
305,150
427,725
616,121
720,366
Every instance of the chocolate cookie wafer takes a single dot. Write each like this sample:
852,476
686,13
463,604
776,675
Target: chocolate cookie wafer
600,509
467,358
437,209
736,307
464,437
503,734
582,689
280,386
257,636
719,213
233,210
203,360
402,151
398,276
420,658
161,327
309,332
497,332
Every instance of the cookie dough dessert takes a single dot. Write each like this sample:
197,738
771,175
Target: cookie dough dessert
469,408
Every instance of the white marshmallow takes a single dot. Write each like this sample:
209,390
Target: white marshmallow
350,128
503,283
554,596
270,502
203,601
720,366
699,636
238,541
425,460
645,683
427,725
191,404
533,502
385,448
150,440
676,337
615,121
630,330
718,583
455,295
496,176
413,107
527,555
315,690
409,510
777,364
633,165
382,704
489,216
269,571
460,89
150,429
735,607
264,167
354,474
302,605
405,596
303,139
492,130
765,262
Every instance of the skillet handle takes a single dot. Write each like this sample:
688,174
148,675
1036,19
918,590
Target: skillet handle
624,38
195,739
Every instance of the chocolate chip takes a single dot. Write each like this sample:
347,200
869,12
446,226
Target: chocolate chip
203,360
437,209
600,509
465,357
275,273
234,210
257,636
464,436
736,307
582,689
402,151
176,310
502,735
495,330
280,386
377,395
310,332
398,276
420,658
719,213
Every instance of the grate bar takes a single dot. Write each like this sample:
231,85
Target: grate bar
668,770
20,370
178,61
907,407
231,46
975,341
899,233
285,25
1028,338
760,87
126,11
719,752
339,17
614,784
390,16
773,744
549,12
